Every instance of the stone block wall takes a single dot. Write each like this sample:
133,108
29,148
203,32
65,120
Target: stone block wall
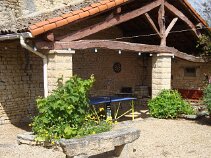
18,14
161,73
24,7
59,66
180,81
101,63
21,82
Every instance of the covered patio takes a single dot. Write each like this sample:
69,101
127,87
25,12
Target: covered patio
144,46
138,37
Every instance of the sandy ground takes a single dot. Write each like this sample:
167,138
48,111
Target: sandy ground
159,138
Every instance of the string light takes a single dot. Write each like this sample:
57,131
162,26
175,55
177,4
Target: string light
139,53
120,52
145,35
95,50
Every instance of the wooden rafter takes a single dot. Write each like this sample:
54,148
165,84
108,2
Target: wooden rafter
171,25
118,19
180,15
152,24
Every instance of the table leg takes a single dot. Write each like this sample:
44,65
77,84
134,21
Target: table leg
133,110
108,111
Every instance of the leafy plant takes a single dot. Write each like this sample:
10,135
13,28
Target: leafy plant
204,44
207,97
64,113
169,104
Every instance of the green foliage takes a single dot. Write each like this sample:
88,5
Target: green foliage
204,44
169,104
207,97
64,113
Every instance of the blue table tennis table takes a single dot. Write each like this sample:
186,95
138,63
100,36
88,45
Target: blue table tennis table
108,100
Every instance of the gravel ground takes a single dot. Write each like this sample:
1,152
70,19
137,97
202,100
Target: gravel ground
159,138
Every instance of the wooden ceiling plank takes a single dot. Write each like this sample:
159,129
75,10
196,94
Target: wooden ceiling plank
118,19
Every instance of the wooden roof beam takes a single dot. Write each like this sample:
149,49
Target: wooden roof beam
118,19
188,57
180,15
114,45
171,25
152,24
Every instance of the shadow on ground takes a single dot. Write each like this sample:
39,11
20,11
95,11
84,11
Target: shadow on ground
204,121
23,126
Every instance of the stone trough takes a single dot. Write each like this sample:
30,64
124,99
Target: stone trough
116,141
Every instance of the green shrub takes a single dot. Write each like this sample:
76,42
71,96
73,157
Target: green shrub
207,97
66,113
169,104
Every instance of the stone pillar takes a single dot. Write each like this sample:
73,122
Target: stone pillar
161,73
59,65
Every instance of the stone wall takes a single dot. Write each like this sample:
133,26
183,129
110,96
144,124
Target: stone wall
101,63
180,81
161,73
18,14
59,66
21,82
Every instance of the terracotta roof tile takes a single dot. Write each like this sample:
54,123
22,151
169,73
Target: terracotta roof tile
49,27
61,23
64,19
66,15
111,4
104,2
32,27
77,12
94,11
103,7
84,14
95,4
42,23
53,20
119,2
37,31
73,18
86,8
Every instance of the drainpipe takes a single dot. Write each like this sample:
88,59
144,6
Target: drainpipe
29,48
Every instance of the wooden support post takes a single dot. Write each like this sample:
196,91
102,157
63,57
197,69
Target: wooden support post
161,22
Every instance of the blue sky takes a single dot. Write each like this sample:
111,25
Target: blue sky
199,8
197,4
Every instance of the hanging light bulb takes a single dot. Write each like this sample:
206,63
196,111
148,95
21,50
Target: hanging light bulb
95,50
139,53
150,54
120,52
